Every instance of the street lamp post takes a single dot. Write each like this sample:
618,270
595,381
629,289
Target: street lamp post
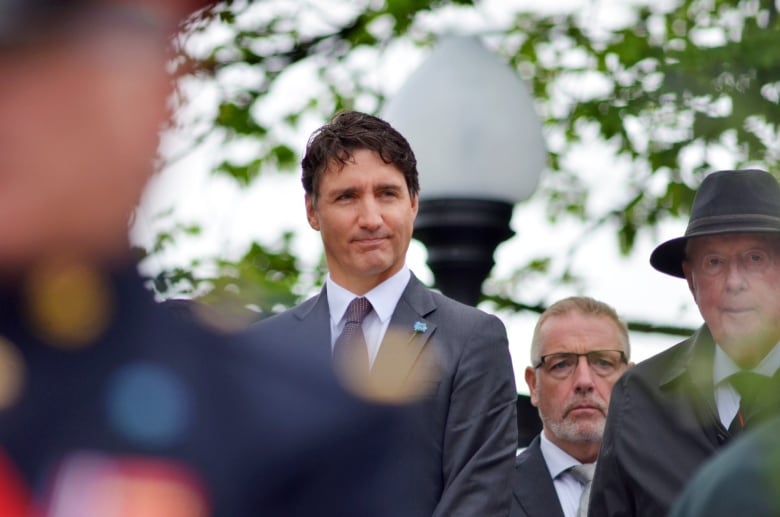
480,150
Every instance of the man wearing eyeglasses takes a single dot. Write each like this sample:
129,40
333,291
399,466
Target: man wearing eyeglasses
679,408
580,348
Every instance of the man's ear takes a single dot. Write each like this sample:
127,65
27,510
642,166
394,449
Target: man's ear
415,204
311,213
530,379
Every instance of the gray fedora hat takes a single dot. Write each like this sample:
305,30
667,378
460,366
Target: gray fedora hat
726,202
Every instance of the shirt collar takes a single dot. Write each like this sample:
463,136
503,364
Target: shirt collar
724,366
558,461
383,297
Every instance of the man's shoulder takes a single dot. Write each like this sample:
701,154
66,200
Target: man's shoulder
296,312
466,325
653,384
528,456
451,306
661,364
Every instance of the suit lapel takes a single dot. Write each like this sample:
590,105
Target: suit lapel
690,375
408,333
314,316
533,486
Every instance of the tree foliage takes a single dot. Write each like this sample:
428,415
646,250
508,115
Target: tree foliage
677,87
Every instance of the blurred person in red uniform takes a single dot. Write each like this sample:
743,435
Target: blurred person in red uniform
109,404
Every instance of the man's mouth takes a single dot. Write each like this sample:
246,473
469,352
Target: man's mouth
369,241
585,409
736,310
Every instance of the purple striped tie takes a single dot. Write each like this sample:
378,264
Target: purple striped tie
350,347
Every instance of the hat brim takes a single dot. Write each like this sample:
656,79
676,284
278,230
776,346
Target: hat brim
668,257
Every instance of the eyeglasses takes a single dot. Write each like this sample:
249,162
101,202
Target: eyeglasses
561,365
753,262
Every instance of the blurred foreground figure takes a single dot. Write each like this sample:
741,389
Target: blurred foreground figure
742,480
672,412
110,405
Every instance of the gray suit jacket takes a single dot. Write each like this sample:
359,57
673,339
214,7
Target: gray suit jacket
532,485
463,449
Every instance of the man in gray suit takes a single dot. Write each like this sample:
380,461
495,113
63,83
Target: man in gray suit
580,347
361,184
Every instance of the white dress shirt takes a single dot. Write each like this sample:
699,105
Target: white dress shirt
383,298
726,397
566,485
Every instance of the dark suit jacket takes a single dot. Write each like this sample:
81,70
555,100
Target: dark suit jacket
742,480
532,485
662,425
466,437
264,431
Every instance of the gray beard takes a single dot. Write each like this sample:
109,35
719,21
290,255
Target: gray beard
576,432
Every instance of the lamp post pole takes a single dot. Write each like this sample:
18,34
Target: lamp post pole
461,236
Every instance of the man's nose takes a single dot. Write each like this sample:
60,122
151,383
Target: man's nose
735,275
370,214
583,374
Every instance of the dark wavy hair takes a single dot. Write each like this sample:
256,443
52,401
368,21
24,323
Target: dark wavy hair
350,131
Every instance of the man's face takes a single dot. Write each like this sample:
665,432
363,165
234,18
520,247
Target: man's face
735,281
365,215
81,113
574,409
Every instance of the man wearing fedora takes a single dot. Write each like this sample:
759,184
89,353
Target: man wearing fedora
673,411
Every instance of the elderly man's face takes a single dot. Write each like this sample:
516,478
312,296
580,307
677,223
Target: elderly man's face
81,114
735,281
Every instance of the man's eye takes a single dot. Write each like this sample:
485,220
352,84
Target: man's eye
713,261
560,364
603,361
